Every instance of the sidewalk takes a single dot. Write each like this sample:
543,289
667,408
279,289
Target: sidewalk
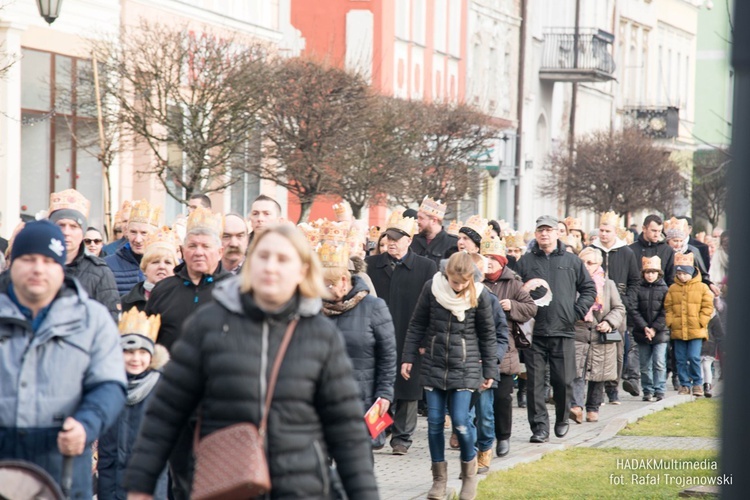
409,476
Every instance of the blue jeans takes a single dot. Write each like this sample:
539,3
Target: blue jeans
687,355
458,407
653,361
485,420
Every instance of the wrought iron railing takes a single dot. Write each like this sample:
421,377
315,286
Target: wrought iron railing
587,50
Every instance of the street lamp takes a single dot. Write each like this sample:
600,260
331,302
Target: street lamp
49,9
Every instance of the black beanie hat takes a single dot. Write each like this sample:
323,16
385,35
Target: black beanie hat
473,235
40,237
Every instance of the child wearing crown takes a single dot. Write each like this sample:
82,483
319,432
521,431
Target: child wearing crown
143,360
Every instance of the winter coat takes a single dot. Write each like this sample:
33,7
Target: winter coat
689,307
370,343
400,287
649,312
126,267
600,360
438,249
316,409
642,248
116,444
70,365
97,279
111,248
573,291
619,264
134,298
459,354
176,298
715,337
509,286
702,250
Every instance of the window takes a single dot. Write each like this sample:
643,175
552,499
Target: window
440,26
59,144
402,19
418,22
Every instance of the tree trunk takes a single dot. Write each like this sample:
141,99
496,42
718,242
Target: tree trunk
356,210
305,208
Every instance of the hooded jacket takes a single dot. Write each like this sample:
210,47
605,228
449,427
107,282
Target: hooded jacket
126,268
620,266
316,409
688,308
573,290
438,249
649,312
71,365
642,248
97,279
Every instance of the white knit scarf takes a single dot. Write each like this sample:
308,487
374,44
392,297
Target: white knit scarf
447,297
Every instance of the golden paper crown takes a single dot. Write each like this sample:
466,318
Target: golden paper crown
311,232
125,209
162,238
683,259
139,323
433,207
609,219
343,211
527,236
676,228
374,233
356,236
504,227
204,218
514,240
397,221
70,199
453,227
145,213
651,263
334,245
491,245
477,224
118,217
573,223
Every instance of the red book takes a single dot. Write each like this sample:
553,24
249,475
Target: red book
376,423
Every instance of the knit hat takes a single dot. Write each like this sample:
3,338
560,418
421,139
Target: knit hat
40,237
69,204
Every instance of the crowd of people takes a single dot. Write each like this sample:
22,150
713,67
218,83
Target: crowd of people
225,320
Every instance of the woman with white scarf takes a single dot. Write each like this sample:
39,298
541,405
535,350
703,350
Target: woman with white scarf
453,322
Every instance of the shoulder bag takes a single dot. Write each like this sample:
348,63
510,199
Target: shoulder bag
231,463
610,337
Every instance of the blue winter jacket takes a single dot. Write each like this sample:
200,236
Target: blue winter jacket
126,268
71,364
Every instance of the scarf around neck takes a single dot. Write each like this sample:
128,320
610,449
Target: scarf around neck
447,297
141,386
336,308
599,281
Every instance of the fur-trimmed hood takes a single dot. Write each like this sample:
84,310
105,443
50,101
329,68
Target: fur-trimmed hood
159,358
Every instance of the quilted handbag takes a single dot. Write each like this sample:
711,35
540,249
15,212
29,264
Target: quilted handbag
231,463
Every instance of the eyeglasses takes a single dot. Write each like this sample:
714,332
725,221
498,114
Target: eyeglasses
590,263
90,241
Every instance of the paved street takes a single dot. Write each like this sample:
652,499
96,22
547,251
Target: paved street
409,476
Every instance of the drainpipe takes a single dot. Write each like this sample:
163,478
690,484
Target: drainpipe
573,97
519,112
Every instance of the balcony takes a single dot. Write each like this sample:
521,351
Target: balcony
659,122
584,57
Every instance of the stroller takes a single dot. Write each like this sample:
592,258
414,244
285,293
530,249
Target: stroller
20,480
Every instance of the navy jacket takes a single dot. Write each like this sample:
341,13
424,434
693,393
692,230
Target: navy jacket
126,267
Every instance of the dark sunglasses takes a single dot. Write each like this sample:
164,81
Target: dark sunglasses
88,241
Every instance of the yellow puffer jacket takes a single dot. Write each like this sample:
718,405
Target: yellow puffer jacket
689,307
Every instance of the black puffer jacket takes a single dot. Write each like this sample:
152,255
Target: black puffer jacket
315,412
643,248
567,279
649,312
370,343
97,279
454,348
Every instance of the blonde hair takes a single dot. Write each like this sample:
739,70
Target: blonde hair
312,285
461,266
157,252
336,273
593,251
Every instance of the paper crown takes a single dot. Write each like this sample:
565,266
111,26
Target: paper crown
374,233
571,241
70,199
343,211
433,207
676,228
453,227
204,218
609,219
491,245
406,225
624,234
573,223
683,259
356,236
476,224
135,322
504,227
311,232
125,209
333,249
528,236
651,263
514,240
162,238
145,213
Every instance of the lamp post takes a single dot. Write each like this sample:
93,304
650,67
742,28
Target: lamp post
49,9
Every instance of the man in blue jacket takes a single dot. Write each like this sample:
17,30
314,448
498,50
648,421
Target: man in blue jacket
61,365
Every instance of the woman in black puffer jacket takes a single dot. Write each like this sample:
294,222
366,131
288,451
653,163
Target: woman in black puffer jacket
316,411
453,321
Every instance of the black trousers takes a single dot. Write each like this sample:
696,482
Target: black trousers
560,353
503,407
181,465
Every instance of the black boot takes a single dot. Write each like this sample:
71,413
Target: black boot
521,394
707,390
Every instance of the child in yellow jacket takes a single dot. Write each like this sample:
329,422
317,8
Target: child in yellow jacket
689,306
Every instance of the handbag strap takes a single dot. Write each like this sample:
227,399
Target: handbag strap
275,373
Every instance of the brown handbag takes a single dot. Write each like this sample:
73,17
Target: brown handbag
231,463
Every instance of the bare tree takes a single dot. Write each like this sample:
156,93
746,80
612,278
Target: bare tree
710,188
192,98
622,171
317,113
